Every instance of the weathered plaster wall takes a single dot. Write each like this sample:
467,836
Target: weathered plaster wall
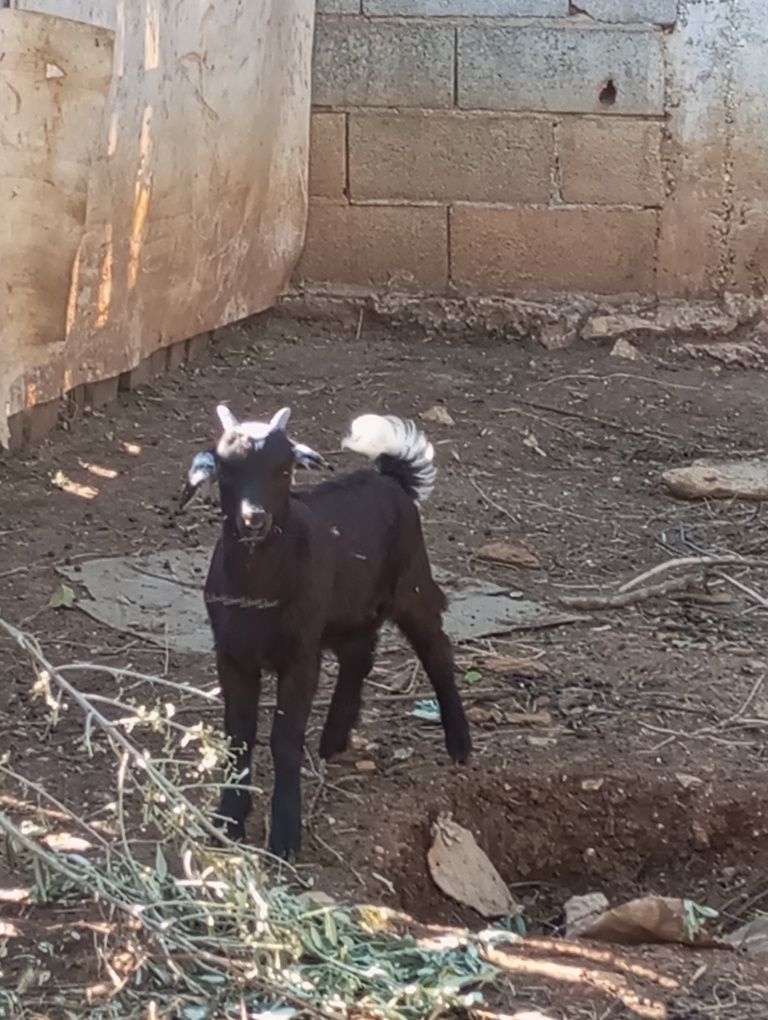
153,172
534,147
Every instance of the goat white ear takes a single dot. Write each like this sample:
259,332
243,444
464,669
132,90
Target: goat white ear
280,420
227,419
202,469
306,457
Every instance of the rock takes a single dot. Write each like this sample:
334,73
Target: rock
606,327
751,937
509,555
438,415
624,349
366,765
747,479
688,781
706,319
582,911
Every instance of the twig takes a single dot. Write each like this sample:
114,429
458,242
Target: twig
492,502
627,598
591,418
635,590
756,597
693,561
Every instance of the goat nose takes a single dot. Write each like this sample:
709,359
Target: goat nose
253,516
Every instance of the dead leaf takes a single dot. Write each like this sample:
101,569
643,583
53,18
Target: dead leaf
510,555
532,443
66,843
582,911
592,784
438,415
652,919
687,781
485,714
542,741
463,871
511,664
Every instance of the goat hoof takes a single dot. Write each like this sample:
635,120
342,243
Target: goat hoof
459,748
332,744
285,842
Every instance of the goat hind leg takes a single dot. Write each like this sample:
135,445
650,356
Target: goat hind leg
432,646
355,657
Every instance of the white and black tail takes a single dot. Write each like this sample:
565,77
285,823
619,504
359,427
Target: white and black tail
398,449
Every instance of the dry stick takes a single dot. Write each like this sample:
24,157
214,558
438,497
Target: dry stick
693,561
627,598
631,593
491,502
591,418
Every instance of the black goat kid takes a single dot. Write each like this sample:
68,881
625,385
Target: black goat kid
296,573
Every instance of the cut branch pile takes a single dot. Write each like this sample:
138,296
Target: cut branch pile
214,932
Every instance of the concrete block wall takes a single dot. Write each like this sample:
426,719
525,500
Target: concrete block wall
532,147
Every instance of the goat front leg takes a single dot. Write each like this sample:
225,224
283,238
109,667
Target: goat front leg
296,686
240,688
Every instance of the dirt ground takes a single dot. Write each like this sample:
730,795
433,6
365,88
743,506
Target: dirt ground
644,770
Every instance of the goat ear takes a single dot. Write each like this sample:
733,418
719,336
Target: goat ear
280,420
202,469
227,419
306,457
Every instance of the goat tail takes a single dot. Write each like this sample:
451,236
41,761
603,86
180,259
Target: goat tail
398,448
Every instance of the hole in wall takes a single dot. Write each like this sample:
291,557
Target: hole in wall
608,93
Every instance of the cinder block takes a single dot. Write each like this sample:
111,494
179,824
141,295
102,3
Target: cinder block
602,251
42,420
198,348
569,69
18,429
338,6
484,157
749,272
610,161
174,356
374,245
468,8
327,155
660,12
101,393
144,372
360,62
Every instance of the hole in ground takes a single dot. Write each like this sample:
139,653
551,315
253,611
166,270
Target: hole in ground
554,836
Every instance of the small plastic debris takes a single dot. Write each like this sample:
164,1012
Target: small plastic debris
62,598
428,710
